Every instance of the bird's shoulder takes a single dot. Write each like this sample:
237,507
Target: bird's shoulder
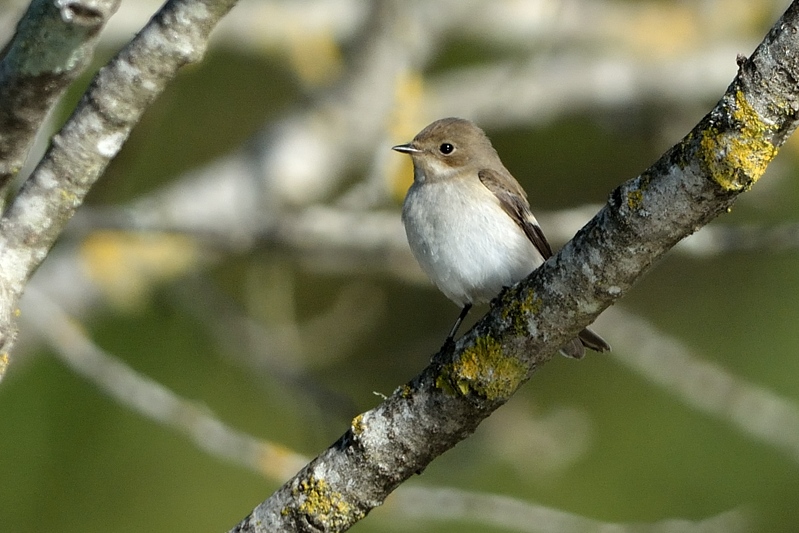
513,200
501,181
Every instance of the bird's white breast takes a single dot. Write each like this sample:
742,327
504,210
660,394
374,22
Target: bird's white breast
464,240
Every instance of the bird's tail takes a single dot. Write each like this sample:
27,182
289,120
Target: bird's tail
585,339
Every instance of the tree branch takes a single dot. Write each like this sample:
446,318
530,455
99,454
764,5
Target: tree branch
80,152
54,43
695,181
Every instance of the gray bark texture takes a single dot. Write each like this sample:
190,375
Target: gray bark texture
80,152
53,44
692,183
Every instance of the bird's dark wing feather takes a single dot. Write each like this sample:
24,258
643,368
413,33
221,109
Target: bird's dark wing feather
513,200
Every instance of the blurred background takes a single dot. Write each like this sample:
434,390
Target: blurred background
238,286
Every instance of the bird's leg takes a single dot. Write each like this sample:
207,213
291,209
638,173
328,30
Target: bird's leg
451,337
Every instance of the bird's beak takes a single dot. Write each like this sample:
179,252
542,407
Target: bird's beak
408,148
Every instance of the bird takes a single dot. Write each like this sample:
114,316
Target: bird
468,221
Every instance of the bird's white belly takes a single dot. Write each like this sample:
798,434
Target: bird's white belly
470,248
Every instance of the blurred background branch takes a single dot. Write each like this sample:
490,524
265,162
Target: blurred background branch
416,505
153,400
410,505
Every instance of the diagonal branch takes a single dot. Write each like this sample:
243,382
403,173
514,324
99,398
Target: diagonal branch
695,181
53,44
80,152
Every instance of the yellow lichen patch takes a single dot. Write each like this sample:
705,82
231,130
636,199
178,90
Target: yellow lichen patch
485,369
127,265
736,159
518,307
357,425
324,504
634,199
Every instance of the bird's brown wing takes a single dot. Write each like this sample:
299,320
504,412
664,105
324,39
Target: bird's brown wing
513,200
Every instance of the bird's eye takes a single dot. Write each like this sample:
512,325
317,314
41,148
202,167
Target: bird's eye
446,148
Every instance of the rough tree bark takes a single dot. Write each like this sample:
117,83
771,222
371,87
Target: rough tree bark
53,44
80,152
695,181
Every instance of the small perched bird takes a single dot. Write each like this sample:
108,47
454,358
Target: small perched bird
469,223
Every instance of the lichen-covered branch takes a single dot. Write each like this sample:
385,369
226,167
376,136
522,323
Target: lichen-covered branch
54,43
695,181
80,152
